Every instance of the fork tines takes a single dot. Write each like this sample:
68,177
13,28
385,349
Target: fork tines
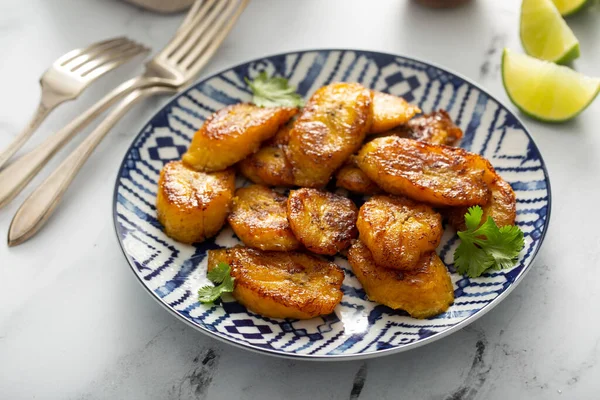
100,57
202,32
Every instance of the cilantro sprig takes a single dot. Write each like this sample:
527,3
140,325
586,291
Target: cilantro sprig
487,246
273,92
221,277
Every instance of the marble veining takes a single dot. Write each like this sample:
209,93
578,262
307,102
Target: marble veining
491,64
359,382
477,374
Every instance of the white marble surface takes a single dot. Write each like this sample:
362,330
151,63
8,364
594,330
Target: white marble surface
75,323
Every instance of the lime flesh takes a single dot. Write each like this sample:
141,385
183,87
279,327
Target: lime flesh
545,34
544,90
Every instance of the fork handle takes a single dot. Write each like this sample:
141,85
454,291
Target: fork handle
36,209
17,175
40,115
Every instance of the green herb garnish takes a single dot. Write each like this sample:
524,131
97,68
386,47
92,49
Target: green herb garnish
273,92
487,246
221,277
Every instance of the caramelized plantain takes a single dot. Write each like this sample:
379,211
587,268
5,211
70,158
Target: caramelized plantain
390,111
191,205
351,178
232,133
434,128
269,165
323,222
502,206
331,127
422,293
282,137
259,219
398,231
434,174
282,284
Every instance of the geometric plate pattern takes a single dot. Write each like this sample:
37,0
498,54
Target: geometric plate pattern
172,272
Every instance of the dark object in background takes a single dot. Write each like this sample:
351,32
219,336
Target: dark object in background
163,6
442,3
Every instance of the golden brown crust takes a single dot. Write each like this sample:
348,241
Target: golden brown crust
323,222
269,165
282,284
390,111
232,133
433,174
423,293
351,178
282,137
502,206
331,127
259,218
434,128
398,231
191,205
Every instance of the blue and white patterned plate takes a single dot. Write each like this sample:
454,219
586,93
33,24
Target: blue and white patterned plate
172,272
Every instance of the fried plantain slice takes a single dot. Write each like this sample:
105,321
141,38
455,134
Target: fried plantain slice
435,128
331,127
351,178
232,133
282,137
433,174
502,206
259,218
398,231
323,222
282,284
390,111
422,293
191,205
269,165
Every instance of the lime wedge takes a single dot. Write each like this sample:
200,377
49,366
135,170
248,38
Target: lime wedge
545,34
544,90
569,7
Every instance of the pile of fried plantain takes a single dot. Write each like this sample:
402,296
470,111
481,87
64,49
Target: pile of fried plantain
373,143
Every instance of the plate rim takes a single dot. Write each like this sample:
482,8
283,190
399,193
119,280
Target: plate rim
335,357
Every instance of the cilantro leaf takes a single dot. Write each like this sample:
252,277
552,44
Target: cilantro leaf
208,294
273,92
486,246
220,275
471,260
504,245
473,218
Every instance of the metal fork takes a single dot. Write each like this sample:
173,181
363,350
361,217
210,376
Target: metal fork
69,76
171,67
169,71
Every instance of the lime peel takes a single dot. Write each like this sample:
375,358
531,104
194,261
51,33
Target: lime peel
545,34
546,91
570,7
